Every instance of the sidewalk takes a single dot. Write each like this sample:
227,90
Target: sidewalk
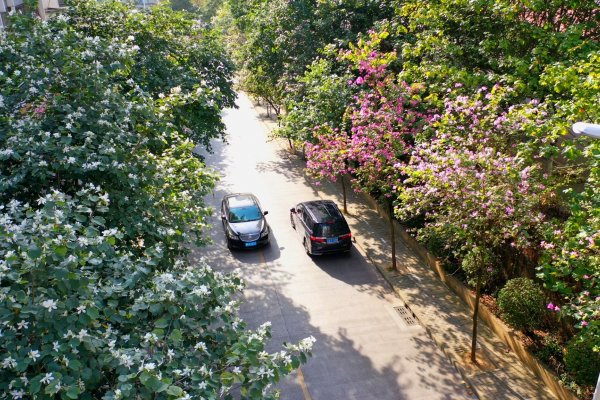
448,320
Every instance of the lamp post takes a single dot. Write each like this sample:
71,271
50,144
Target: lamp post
583,128
593,131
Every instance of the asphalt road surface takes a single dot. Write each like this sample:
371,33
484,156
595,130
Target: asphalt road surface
364,349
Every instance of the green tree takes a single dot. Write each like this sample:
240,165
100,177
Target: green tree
100,198
176,55
322,99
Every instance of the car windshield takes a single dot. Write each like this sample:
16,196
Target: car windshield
243,214
332,228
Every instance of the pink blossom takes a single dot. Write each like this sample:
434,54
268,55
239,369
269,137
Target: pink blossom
550,306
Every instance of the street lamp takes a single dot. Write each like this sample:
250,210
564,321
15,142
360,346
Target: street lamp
593,131
583,128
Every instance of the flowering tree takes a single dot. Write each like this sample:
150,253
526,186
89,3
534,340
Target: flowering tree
328,157
82,316
472,189
99,198
571,260
176,53
385,118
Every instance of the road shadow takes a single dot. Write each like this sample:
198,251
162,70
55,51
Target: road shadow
339,368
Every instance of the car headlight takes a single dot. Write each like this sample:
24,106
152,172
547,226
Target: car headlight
231,233
265,232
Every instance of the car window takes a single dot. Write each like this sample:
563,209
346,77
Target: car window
243,214
305,217
335,227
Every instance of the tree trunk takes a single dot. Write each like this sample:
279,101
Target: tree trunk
393,233
344,194
291,145
475,319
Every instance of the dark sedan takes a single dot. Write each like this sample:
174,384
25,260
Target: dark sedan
244,221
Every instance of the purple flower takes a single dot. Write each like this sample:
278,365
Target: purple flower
550,306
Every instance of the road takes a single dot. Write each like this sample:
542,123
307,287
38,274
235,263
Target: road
364,349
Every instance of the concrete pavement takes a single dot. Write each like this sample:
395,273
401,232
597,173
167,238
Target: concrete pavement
363,349
446,318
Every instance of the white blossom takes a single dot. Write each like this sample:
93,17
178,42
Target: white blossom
34,354
9,362
47,378
49,304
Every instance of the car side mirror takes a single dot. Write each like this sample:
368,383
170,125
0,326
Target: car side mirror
293,210
265,213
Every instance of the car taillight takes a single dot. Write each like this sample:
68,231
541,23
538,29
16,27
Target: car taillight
346,236
317,239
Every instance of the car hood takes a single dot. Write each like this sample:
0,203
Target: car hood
248,227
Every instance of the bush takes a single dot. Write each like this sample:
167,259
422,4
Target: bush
521,303
581,361
550,352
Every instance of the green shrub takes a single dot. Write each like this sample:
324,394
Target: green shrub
581,361
550,351
521,303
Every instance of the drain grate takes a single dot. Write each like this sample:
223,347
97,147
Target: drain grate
406,315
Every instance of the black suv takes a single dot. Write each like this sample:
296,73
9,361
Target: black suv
321,227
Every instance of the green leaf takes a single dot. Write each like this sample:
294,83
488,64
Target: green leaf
227,378
152,382
176,336
73,392
174,390
35,385
34,252
61,250
92,312
98,221
74,365
156,308
162,323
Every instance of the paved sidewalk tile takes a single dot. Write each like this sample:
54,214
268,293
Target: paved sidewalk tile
445,317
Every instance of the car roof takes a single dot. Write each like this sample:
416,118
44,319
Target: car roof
240,200
322,209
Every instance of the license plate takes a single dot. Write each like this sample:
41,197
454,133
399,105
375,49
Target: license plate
332,240
250,244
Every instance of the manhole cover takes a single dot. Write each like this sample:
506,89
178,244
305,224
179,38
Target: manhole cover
406,315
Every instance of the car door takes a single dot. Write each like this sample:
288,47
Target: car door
224,213
305,224
299,224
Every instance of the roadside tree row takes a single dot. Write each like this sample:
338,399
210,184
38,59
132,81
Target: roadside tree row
457,115
101,198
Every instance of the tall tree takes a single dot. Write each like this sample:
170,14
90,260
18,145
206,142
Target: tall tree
473,188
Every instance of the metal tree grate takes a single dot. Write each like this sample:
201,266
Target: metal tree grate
406,315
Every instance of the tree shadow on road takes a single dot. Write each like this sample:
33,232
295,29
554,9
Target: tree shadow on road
339,369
